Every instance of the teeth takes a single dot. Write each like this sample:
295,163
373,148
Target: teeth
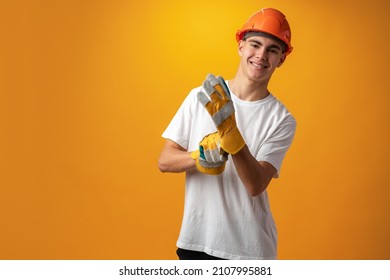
258,65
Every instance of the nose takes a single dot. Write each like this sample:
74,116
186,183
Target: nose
262,54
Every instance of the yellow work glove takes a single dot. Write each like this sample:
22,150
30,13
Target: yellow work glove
210,158
215,97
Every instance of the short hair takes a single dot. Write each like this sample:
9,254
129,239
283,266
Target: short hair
282,44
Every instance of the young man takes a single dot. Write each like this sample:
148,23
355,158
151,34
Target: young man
231,139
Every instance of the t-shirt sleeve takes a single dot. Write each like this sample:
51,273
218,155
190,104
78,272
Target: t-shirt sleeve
276,145
179,128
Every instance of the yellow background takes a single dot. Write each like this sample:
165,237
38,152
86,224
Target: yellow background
87,88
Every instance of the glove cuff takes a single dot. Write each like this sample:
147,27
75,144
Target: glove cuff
216,170
232,142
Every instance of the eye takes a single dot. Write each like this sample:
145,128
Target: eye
274,50
254,45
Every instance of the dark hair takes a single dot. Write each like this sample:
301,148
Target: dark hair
282,44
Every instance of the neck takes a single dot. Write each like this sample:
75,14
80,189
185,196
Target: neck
248,90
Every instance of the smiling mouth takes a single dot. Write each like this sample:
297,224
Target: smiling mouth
259,66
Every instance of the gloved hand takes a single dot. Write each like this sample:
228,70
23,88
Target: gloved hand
215,97
210,158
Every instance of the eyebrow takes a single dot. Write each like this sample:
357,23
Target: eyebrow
277,46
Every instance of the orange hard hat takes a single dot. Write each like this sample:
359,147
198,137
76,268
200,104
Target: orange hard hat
270,21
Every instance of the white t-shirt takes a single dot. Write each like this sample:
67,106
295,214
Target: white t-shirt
220,217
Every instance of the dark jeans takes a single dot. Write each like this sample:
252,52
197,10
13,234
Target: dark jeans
194,255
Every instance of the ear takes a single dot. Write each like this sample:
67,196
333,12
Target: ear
282,59
240,46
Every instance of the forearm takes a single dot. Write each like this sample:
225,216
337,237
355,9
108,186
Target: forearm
175,159
254,175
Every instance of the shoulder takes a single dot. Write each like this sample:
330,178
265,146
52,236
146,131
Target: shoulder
192,97
282,111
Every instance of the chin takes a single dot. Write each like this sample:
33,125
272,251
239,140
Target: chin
257,78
